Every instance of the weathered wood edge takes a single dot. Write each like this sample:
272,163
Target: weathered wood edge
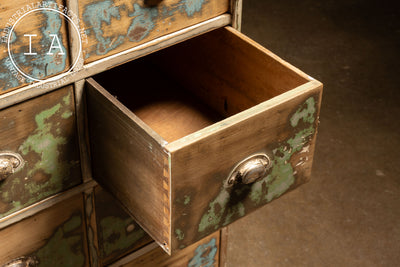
236,11
127,112
33,90
223,244
81,125
165,180
135,255
269,53
73,6
242,116
44,204
91,227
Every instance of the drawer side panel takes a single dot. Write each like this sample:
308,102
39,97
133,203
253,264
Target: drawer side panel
129,162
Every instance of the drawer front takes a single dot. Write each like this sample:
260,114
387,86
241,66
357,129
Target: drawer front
53,237
30,54
206,252
116,25
183,175
42,134
118,233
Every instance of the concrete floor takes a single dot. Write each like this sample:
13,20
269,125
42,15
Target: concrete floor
349,214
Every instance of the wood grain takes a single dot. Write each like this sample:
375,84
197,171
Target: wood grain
201,204
118,233
269,107
43,131
202,253
228,71
41,24
114,26
128,159
54,237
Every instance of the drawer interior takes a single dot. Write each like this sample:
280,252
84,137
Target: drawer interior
187,87
167,130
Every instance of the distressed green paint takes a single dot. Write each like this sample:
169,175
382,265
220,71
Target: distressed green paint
304,113
65,247
115,234
222,210
67,99
186,201
66,114
204,255
214,215
44,143
179,234
43,149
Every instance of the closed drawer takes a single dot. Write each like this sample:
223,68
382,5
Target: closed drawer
35,33
113,26
39,154
205,252
53,237
201,134
118,233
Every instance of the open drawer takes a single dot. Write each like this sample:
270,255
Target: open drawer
197,135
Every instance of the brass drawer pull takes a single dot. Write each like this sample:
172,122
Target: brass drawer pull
249,170
10,162
22,262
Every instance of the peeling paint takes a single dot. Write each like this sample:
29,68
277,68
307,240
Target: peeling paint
142,23
97,13
47,171
186,201
204,255
179,234
192,6
116,236
65,247
304,113
227,206
41,65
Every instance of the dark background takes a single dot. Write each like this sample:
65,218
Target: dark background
349,214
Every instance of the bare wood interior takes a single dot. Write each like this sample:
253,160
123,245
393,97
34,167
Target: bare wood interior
114,134
185,88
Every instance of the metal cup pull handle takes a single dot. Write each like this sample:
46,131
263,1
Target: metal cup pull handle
22,262
249,170
10,162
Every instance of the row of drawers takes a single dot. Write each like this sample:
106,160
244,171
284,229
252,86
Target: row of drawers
188,139
105,28
58,236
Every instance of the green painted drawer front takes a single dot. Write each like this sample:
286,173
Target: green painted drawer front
43,132
53,237
118,234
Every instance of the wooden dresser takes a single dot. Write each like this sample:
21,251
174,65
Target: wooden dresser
132,133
